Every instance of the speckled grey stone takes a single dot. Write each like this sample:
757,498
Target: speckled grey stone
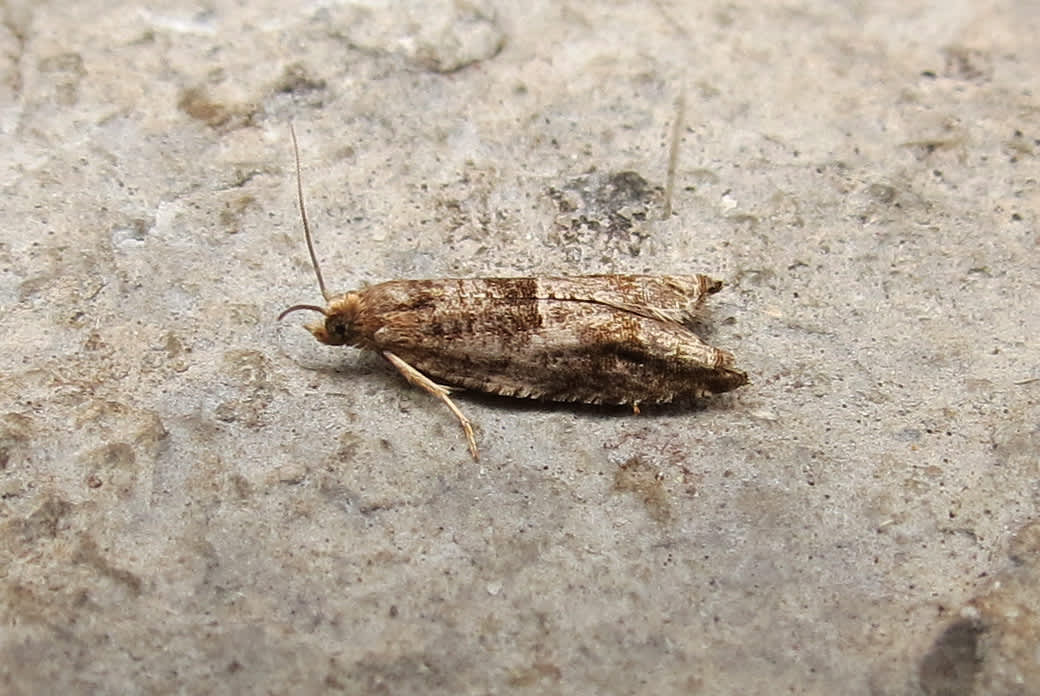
197,499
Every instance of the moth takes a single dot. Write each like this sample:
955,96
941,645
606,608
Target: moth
596,339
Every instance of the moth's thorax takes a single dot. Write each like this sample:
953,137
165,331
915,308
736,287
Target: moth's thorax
340,325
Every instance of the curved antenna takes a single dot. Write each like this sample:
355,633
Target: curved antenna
306,227
298,307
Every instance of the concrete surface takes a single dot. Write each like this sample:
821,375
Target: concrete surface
195,498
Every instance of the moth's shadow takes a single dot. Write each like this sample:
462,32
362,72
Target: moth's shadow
705,328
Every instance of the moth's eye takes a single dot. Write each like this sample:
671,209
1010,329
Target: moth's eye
338,330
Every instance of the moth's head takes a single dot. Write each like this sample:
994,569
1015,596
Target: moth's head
339,326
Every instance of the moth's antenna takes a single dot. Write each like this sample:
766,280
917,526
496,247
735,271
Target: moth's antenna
306,226
298,307
673,149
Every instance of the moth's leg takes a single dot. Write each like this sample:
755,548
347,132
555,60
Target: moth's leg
439,390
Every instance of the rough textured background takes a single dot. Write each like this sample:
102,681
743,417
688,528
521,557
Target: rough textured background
195,498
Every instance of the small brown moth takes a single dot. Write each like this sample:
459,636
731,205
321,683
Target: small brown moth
600,339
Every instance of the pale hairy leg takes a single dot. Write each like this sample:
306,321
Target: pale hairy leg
440,391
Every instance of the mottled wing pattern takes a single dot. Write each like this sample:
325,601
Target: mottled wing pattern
577,343
667,298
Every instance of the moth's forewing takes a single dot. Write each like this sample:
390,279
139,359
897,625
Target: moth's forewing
668,298
593,339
